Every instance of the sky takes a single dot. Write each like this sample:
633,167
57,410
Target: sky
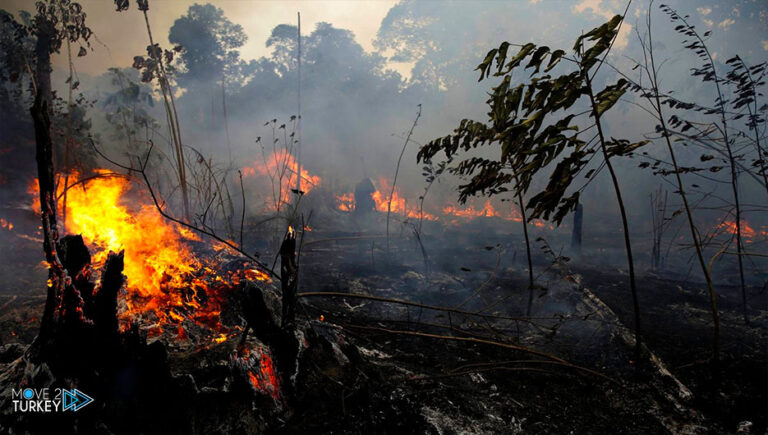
124,36
120,36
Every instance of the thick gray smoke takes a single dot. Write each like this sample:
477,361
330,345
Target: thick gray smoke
356,110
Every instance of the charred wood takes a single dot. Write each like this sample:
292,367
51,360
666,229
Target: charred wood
578,222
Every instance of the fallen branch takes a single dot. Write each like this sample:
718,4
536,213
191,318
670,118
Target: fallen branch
490,343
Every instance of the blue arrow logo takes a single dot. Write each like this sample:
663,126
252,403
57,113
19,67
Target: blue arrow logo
74,399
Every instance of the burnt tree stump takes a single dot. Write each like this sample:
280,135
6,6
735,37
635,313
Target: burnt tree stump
578,222
289,273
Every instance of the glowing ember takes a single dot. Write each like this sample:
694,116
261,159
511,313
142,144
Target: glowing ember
5,224
264,377
730,227
748,233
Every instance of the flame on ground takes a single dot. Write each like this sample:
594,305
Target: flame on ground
400,206
487,210
748,233
279,170
5,224
346,202
166,282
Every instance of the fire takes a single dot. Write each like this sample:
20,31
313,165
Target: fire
262,374
381,198
748,233
155,256
280,171
167,283
5,224
488,210
345,201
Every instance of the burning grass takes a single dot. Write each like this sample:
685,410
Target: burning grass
168,283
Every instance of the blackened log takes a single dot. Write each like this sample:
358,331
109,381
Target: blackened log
71,309
112,279
262,314
76,260
73,253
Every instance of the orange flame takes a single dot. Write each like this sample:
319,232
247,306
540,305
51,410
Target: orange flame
166,282
264,377
5,224
488,210
345,201
280,171
748,233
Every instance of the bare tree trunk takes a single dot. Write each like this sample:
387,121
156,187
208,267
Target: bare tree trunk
226,121
289,272
578,225
397,170
624,223
527,250
691,225
40,112
173,123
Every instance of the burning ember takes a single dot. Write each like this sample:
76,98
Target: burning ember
5,224
167,283
258,364
748,233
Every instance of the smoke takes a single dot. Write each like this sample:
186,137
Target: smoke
356,109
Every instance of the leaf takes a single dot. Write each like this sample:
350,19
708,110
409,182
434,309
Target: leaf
82,52
554,59
486,64
525,51
121,5
609,96
537,58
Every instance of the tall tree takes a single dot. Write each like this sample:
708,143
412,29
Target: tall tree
530,126
210,58
55,21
